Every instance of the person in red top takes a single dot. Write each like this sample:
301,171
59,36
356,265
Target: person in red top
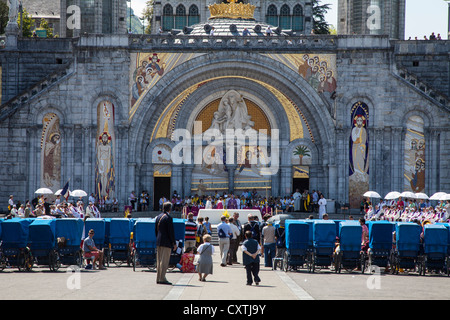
400,203
187,261
220,203
190,231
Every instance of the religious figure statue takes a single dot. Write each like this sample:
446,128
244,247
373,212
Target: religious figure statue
13,11
104,161
232,113
52,153
359,138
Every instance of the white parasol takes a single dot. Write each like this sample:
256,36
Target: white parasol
43,191
371,194
392,195
445,197
437,195
421,195
408,194
78,193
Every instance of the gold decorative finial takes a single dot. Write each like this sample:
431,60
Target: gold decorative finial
232,10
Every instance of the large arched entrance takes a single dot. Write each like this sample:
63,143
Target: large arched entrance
275,98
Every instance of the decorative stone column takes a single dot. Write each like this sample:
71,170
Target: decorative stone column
231,170
12,33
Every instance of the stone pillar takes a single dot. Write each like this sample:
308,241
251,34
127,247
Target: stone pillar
332,181
231,170
12,33
187,180
286,180
176,180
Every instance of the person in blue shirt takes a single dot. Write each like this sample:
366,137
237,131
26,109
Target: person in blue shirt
225,233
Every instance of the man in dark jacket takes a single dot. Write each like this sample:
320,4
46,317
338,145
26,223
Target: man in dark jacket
254,227
250,258
165,242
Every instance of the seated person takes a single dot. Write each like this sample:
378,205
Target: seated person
90,250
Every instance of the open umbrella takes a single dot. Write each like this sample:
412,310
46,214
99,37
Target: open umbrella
408,194
445,197
78,193
57,193
43,191
437,195
371,194
421,195
392,195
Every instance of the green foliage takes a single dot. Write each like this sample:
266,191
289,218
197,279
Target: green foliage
320,26
148,13
44,25
28,23
4,12
302,151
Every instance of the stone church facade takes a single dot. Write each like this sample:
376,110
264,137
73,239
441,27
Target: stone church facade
342,114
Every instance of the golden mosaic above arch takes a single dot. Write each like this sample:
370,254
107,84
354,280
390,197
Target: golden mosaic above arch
257,115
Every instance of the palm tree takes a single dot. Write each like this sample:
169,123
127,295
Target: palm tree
302,151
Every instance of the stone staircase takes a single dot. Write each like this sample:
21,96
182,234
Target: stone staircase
412,80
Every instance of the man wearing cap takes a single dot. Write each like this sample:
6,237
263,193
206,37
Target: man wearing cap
268,241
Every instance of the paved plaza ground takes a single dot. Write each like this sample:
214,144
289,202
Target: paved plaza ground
226,284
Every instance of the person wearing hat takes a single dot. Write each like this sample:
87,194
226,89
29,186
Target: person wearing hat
268,243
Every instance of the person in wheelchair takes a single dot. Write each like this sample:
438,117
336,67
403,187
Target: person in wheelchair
90,250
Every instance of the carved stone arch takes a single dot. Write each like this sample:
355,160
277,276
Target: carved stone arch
258,67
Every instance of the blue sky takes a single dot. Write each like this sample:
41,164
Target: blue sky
422,17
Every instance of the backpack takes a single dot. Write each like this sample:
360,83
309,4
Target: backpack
253,229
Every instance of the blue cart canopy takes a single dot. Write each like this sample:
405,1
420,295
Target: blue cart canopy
144,233
99,227
296,234
42,234
350,234
435,239
71,229
15,232
179,226
381,235
324,234
120,230
408,236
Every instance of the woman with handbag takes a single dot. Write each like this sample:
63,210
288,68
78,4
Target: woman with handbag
205,262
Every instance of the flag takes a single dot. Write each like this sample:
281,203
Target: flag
65,191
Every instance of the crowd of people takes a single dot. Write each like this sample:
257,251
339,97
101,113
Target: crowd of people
432,36
410,210
41,206
256,238
297,201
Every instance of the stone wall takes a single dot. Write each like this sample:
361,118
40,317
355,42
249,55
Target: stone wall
99,69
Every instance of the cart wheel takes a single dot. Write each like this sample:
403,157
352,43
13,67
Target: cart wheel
54,261
28,262
313,262
363,262
79,259
286,261
337,263
2,263
308,262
